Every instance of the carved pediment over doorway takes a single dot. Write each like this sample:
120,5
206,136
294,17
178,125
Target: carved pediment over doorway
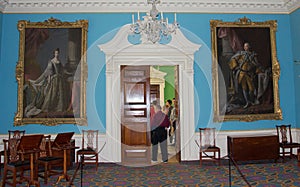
120,52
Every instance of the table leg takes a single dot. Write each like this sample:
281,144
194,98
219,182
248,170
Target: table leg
298,156
65,174
32,179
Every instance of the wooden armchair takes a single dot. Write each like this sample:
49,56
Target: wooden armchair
14,163
286,143
89,150
17,134
208,148
47,160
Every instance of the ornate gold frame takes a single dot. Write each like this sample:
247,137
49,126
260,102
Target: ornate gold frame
53,25
220,111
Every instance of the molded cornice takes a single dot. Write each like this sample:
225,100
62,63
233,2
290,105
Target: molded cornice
187,6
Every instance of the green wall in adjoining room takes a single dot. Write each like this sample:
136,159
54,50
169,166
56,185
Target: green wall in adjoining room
170,82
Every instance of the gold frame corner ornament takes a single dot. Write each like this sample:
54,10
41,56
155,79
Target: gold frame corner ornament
55,24
220,114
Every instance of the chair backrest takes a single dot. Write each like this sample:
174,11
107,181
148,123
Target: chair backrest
45,147
16,134
90,139
284,133
207,137
11,150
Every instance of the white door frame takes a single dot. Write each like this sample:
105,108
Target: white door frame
119,51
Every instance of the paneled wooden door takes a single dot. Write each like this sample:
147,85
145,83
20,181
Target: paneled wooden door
135,107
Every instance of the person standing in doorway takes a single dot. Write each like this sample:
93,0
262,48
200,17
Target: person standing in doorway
159,125
170,107
173,122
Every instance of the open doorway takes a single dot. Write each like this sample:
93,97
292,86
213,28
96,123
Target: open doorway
164,88
179,52
140,86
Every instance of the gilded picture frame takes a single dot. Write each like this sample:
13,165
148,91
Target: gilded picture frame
245,70
52,72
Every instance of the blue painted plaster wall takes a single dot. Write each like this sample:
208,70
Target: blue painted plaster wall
295,30
1,27
102,27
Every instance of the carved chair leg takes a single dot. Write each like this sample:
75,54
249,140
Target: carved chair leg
200,159
46,170
4,177
96,162
219,156
15,177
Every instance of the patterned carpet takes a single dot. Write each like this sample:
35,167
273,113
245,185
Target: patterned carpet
264,174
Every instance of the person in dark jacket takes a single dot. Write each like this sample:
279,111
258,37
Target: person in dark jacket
159,124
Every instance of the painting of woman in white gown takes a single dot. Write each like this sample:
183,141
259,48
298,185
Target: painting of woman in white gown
51,90
51,72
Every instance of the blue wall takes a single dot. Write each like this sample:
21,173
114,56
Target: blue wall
295,30
1,28
102,28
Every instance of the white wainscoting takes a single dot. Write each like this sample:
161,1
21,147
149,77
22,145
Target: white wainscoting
221,141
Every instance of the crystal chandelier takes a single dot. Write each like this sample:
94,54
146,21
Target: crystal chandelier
152,29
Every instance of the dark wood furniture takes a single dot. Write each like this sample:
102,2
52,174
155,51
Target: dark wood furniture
16,134
65,175
13,163
251,148
18,148
286,141
60,153
256,147
11,134
30,144
89,150
63,142
298,156
70,154
208,148
46,161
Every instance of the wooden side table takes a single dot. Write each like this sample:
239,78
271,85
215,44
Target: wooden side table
253,147
64,175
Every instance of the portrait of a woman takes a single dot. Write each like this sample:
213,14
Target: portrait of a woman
49,89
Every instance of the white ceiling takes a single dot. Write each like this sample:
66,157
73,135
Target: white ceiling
192,6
